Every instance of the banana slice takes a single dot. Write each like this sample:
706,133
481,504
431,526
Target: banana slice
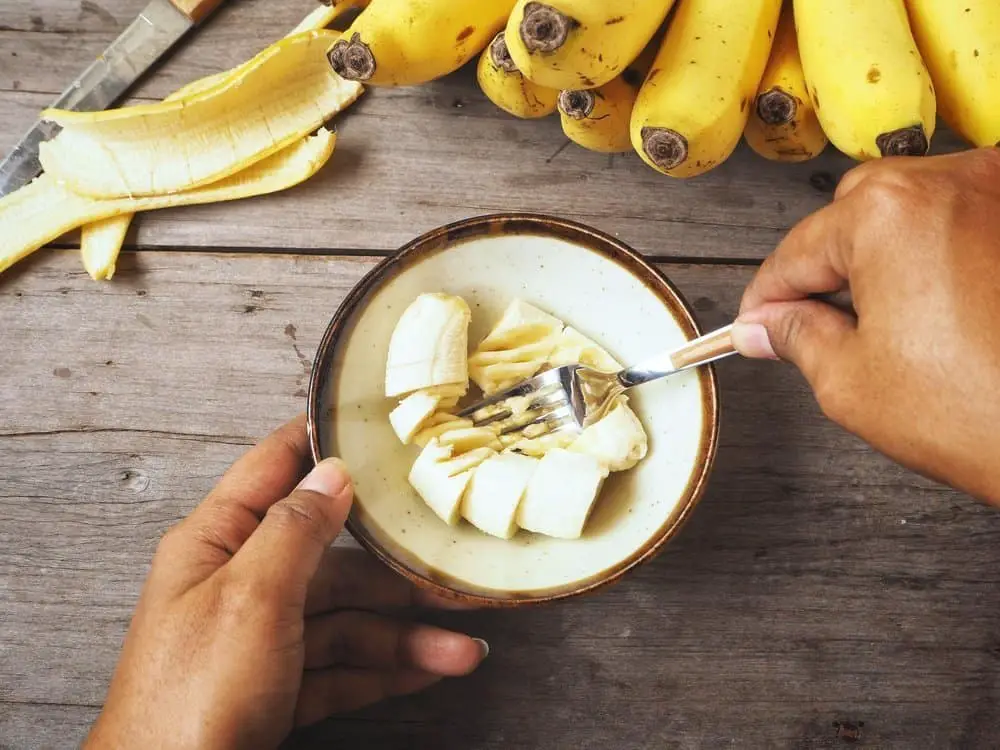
574,348
495,492
429,346
409,417
618,440
441,480
282,95
466,439
515,349
561,494
46,209
438,425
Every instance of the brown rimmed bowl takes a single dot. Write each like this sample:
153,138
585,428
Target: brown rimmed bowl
594,283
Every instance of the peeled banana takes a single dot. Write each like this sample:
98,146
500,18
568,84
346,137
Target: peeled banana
495,491
429,345
618,441
598,119
693,107
406,42
783,125
960,42
507,87
872,93
561,494
412,413
46,208
581,44
285,93
515,349
441,480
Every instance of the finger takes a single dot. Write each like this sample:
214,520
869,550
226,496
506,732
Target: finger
816,337
814,258
370,641
352,578
218,527
333,691
282,555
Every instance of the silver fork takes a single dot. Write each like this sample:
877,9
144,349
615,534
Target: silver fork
573,397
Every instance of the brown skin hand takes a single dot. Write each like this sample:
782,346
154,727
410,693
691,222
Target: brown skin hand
916,372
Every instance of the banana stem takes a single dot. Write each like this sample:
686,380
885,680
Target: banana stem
352,59
666,148
775,107
500,54
545,29
911,141
577,104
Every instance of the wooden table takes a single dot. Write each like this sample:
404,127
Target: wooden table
820,595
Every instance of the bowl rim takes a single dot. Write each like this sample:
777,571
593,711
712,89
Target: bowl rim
538,224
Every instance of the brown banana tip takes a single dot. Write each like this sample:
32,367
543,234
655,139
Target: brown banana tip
776,107
352,59
666,148
545,29
500,54
577,104
911,141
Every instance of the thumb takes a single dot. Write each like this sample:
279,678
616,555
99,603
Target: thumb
284,552
811,335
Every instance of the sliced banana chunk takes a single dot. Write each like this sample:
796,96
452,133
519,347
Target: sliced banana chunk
465,439
441,480
495,492
515,349
574,348
437,425
409,417
429,346
561,494
618,440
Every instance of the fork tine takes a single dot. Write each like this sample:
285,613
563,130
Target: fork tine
558,414
549,377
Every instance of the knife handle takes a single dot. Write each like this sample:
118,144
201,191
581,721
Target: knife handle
196,10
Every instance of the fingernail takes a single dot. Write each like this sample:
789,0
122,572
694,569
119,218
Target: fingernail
483,646
751,340
330,477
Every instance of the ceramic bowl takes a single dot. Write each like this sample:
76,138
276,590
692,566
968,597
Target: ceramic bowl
592,282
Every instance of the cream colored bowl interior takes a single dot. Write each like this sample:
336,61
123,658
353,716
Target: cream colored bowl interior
588,291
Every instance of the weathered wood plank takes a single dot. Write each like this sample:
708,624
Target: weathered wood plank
816,583
411,159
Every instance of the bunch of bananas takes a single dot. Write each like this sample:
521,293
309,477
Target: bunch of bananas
680,81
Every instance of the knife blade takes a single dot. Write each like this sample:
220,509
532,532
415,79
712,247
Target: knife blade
150,36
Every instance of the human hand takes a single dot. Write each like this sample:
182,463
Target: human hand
249,624
916,371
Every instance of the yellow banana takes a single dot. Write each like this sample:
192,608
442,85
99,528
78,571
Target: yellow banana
507,88
960,42
407,42
46,208
581,44
693,107
101,242
287,92
598,119
783,124
872,93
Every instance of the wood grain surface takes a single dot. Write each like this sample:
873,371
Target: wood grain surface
817,593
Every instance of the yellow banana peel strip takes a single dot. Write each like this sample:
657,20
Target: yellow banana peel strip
282,95
102,241
47,209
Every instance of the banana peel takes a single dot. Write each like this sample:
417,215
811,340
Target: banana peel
101,242
47,208
282,95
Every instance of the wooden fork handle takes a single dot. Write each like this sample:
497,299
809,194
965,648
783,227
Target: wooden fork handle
196,10
708,348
